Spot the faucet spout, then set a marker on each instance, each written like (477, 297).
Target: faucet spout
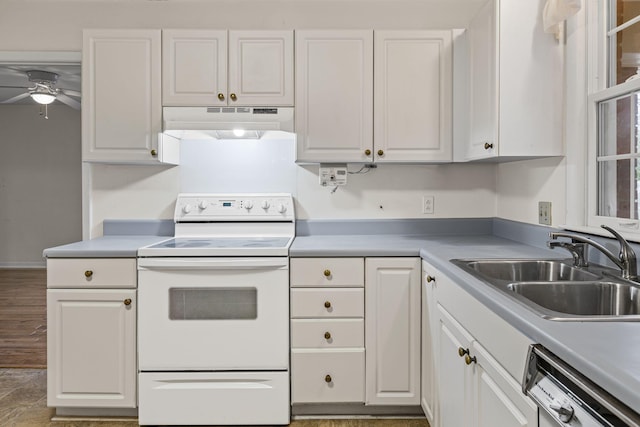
(626, 259)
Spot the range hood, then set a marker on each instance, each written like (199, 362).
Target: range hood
(226, 122)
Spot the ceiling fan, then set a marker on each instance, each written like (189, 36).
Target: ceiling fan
(44, 90)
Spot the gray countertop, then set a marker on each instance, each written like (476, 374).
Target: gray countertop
(116, 246)
(606, 352)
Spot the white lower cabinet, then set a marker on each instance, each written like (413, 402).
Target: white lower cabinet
(91, 348)
(473, 388)
(91, 333)
(392, 295)
(428, 333)
(327, 330)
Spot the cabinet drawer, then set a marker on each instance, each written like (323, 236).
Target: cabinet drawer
(327, 376)
(347, 302)
(91, 273)
(327, 333)
(315, 272)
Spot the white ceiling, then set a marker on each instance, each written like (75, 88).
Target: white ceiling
(15, 75)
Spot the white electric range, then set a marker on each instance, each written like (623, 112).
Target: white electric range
(213, 313)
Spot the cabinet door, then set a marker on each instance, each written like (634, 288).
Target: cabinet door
(194, 67)
(455, 378)
(498, 398)
(429, 349)
(392, 331)
(412, 96)
(91, 348)
(334, 95)
(483, 115)
(260, 68)
(121, 96)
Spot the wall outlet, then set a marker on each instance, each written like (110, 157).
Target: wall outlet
(427, 204)
(544, 213)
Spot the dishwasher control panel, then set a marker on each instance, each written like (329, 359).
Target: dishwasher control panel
(564, 408)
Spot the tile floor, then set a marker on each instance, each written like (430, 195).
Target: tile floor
(23, 403)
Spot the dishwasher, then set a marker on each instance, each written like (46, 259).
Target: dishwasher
(568, 398)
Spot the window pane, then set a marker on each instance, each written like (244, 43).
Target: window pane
(618, 184)
(624, 45)
(618, 125)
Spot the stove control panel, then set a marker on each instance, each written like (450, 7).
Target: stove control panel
(200, 207)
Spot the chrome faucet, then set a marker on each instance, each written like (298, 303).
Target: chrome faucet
(626, 259)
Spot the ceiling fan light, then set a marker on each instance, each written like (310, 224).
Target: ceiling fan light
(43, 98)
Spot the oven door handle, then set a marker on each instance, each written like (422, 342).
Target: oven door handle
(261, 263)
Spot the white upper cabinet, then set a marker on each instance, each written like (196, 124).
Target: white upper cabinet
(515, 92)
(334, 95)
(363, 101)
(121, 98)
(219, 67)
(412, 96)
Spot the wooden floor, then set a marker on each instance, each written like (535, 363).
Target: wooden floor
(23, 318)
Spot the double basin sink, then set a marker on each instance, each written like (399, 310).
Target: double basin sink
(556, 290)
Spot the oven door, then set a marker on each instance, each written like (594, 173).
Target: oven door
(204, 314)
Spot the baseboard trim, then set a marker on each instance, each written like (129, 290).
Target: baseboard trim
(7, 265)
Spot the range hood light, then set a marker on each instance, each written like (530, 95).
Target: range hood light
(238, 134)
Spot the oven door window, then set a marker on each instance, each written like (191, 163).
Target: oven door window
(213, 303)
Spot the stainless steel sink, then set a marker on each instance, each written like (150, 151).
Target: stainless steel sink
(582, 298)
(518, 270)
(556, 290)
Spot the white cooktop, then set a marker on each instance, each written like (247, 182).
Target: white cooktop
(256, 224)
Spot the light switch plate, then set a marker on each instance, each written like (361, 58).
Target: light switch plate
(427, 204)
(544, 213)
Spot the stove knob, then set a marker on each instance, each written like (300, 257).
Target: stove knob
(282, 208)
(187, 208)
(563, 409)
(248, 204)
(203, 204)
(265, 204)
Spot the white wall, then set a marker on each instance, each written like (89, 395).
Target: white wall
(40, 182)
(521, 185)
(389, 191)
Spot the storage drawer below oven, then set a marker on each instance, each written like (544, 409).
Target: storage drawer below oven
(330, 375)
(205, 398)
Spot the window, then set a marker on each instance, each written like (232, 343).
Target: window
(614, 157)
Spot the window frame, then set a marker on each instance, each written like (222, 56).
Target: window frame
(600, 71)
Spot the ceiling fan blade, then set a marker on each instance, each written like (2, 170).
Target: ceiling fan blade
(69, 101)
(15, 98)
(71, 92)
(15, 87)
